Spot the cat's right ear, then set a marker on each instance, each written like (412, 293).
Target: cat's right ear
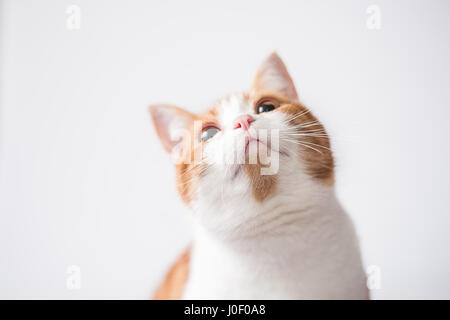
(172, 124)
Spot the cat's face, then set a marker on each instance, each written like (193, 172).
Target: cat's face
(251, 151)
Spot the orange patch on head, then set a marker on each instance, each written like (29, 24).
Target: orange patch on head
(191, 169)
(313, 142)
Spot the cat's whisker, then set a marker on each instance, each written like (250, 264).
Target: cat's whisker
(203, 170)
(304, 145)
(312, 123)
(301, 127)
(310, 131)
(187, 171)
(324, 134)
(315, 144)
(309, 125)
(293, 131)
(305, 125)
(297, 115)
(310, 135)
(196, 165)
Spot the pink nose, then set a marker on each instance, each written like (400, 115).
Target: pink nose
(243, 121)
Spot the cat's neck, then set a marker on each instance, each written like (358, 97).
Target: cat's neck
(274, 223)
(288, 213)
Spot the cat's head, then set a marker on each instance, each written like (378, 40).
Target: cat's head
(251, 152)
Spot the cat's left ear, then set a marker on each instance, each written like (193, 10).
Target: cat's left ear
(172, 125)
(272, 76)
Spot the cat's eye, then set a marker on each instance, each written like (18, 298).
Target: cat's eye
(209, 132)
(266, 106)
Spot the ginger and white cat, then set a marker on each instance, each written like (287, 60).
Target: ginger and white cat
(274, 234)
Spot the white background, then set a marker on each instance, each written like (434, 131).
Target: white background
(84, 180)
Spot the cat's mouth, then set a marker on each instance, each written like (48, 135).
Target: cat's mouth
(253, 140)
(267, 144)
(260, 146)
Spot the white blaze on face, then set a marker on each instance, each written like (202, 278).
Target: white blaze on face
(228, 146)
(232, 107)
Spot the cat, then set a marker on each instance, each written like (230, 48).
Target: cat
(259, 234)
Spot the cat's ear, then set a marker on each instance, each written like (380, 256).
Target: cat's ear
(172, 124)
(273, 76)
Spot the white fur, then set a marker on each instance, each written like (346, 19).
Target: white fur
(296, 244)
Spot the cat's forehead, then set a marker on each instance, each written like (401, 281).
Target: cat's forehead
(228, 108)
(235, 102)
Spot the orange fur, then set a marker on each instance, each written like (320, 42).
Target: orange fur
(262, 185)
(188, 170)
(315, 150)
(173, 285)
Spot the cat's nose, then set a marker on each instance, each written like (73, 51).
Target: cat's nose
(243, 121)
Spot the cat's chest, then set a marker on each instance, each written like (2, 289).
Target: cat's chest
(223, 276)
(289, 268)
(218, 273)
(224, 283)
